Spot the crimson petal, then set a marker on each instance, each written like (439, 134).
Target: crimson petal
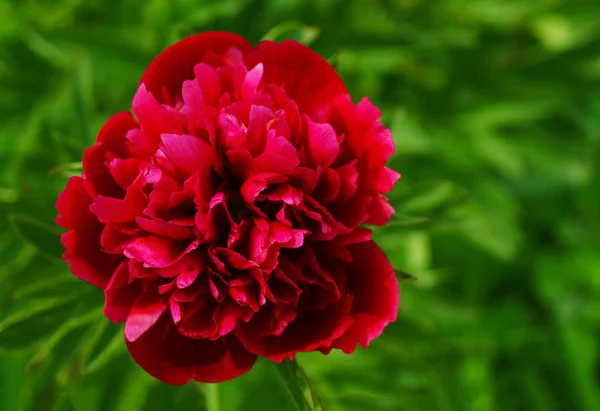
(82, 241)
(120, 295)
(111, 138)
(144, 313)
(174, 359)
(373, 282)
(308, 332)
(307, 78)
(176, 64)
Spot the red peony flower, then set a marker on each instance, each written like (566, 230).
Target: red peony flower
(223, 221)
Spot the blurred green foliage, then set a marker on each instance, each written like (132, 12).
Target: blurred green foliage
(495, 109)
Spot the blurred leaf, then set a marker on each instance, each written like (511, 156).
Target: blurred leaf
(402, 276)
(403, 220)
(75, 167)
(292, 30)
(46, 50)
(44, 238)
(71, 324)
(103, 343)
(430, 196)
(34, 322)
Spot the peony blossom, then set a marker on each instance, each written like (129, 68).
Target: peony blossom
(224, 218)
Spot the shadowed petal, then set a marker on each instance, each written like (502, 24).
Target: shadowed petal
(174, 359)
(120, 295)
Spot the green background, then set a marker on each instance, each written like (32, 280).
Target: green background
(495, 109)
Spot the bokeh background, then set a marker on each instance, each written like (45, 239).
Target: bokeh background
(495, 109)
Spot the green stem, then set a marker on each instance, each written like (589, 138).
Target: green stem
(299, 386)
(213, 402)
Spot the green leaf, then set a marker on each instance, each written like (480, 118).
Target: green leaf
(76, 167)
(105, 342)
(71, 324)
(292, 30)
(405, 220)
(402, 276)
(431, 196)
(34, 322)
(297, 383)
(44, 238)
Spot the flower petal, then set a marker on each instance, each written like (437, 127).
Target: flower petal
(323, 145)
(82, 242)
(190, 153)
(309, 331)
(166, 73)
(372, 281)
(307, 78)
(146, 311)
(120, 295)
(174, 359)
(111, 138)
(158, 252)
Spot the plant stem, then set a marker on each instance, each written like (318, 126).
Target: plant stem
(213, 402)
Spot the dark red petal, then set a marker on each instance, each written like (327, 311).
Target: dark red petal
(372, 281)
(120, 295)
(176, 64)
(82, 242)
(111, 138)
(307, 78)
(328, 188)
(174, 359)
(308, 332)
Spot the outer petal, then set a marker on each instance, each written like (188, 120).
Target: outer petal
(307, 78)
(111, 138)
(373, 282)
(174, 359)
(82, 242)
(176, 64)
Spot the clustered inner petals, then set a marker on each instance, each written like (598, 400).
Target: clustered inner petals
(228, 217)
